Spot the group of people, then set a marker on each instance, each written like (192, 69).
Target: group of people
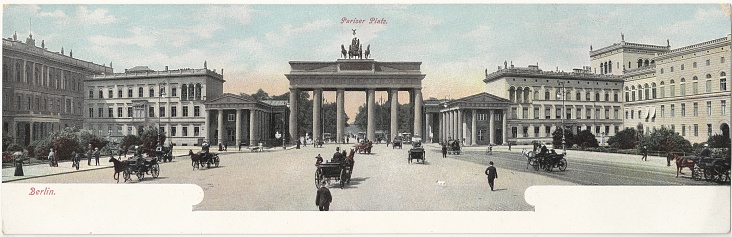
(323, 197)
(92, 152)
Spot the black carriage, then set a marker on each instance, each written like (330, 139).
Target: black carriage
(338, 171)
(416, 153)
(549, 161)
(140, 166)
(164, 153)
(711, 169)
(210, 159)
(453, 147)
(397, 142)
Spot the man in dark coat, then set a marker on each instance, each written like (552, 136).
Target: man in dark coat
(644, 152)
(337, 156)
(491, 173)
(444, 151)
(706, 152)
(89, 154)
(323, 198)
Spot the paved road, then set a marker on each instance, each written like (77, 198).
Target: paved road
(283, 180)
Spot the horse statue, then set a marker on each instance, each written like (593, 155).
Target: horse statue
(343, 51)
(119, 166)
(368, 51)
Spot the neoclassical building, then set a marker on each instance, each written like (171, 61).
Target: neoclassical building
(541, 101)
(233, 119)
(684, 89)
(42, 90)
(118, 104)
(477, 119)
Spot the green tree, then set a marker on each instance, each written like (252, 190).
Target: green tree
(261, 95)
(718, 141)
(585, 139)
(129, 141)
(666, 140)
(557, 138)
(150, 140)
(626, 139)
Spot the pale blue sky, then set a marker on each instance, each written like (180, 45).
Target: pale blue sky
(454, 42)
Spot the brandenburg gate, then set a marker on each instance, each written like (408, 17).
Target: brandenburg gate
(355, 73)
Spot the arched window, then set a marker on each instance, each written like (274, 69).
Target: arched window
(139, 92)
(547, 95)
(722, 74)
(645, 63)
(152, 92)
(632, 91)
(518, 95)
(695, 85)
(597, 96)
(512, 94)
(653, 90)
(610, 67)
(536, 95)
(18, 72)
(191, 91)
(198, 91)
(627, 94)
(640, 62)
(709, 76)
(723, 81)
(646, 91)
(653, 61)
(184, 92)
(672, 88)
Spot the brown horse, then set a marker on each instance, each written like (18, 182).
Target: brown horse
(195, 159)
(683, 162)
(119, 166)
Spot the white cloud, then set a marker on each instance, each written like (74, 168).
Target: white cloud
(138, 37)
(92, 17)
(56, 14)
(283, 35)
(241, 14)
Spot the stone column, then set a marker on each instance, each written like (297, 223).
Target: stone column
(31, 132)
(220, 136)
(418, 113)
(207, 126)
(428, 128)
(394, 99)
(442, 126)
(491, 127)
(460, 134)
(473, 126)
(317, 103)
(505, 125)
(450, 125)
(252, 127)
(293, 114)
(238, 127)
(340, 124)
(371, 123)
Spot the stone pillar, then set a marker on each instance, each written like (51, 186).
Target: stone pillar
(207, 126)
(317, 103)
(442, 126)
(491, 127)
(252, 127)
(32, 138)
(450, 125)
(428, 128)
(220, 126)
(371, 123)
(293, 115)
(505, 125)
(473, 127)
(238, 127)
(394, 98)
(460, 134)
(340, 123)
(418, 113)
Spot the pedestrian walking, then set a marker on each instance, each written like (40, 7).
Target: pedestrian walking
(89, 154)
(644, 152)
(323, 198)
(509, 146)
(96, 155)
(52, 158)
(225, 147)
(491, 173)
(444, 151)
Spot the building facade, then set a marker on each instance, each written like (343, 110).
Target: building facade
(684, 89)
(120, 104)
(42, 90)
(541, 101)
(233, 120)
(474, 120)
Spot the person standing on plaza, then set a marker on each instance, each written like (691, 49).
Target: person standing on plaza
(96, 155)
(323, 198)
(644, 152)
(89, 154)
(509, 146)
(491, 173)
(52, 158)
(706, 152)
(444, 151)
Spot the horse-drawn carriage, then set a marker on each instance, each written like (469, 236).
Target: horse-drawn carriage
(453, 147)
(139, 166)
(199, 159)
(318, 143)
(417, 153)
(164, 153)
(546, 161)
(397, 142)
(712, 169)
(338, 171)
(364, 147)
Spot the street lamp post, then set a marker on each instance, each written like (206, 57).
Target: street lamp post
(162, 93)
(564, 110)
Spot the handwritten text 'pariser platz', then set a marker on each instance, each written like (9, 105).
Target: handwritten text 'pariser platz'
(372, 20)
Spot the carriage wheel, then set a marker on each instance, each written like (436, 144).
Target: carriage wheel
(208, 164)
(563, 164)
(126, 175)
(216, 161)
(548, 167)
(424, 157)
(697, 173)
(343, 178)
(155, 170)
(318, 178)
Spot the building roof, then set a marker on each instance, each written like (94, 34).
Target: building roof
(276, 102)
(140, 69)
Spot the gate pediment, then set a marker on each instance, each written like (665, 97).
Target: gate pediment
(231, 101)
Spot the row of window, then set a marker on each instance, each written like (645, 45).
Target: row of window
(662, 112)
(558, 113)
(650, 92)
(188, 92)
(694, 65)
(132, 112)
(173, 131)
(54, 78)
(695, 127)
(44, 104)
(547, 130)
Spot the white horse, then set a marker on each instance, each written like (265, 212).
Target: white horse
(529, 156)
